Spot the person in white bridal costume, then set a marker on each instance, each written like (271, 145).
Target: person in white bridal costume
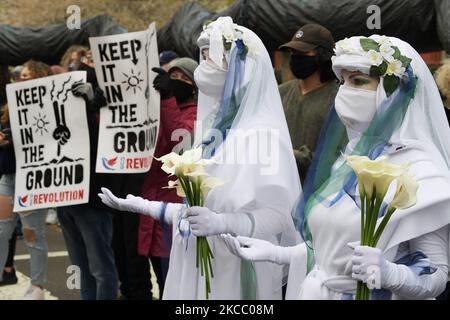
(236, 81)
(406, 123)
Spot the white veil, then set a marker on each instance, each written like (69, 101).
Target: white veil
(424, 132)
(424, 139)
(268, 187)
(425, 119)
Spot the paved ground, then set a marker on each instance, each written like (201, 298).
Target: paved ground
(58, 263)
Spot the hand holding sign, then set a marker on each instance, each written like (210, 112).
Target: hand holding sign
(47, 176)
(83, 90)
(162, 83)
(129, 125)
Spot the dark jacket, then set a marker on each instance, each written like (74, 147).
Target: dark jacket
(173, 116)
(120, 184)
(7, 156)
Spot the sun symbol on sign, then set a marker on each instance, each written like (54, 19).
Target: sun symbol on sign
(133, 81)
(40, 123)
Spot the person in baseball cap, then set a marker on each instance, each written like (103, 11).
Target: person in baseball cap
(311, 47)
(307, 99)
(309, 37)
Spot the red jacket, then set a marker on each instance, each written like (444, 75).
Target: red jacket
(155, 239)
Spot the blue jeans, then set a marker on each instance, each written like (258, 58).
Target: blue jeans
(37, 248)
(33, 221)
(88, 235)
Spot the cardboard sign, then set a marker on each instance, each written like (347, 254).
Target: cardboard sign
(51, 142)
(129, 124)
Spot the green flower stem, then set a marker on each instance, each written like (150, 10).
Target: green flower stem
(205, 261)
(366, 292)
(204, 251)
(373, 221)
(197, 258)
(200, 255)
(363, 212)
(198, 192)
(194, 191)
(382, 226)
(187, 190)
(362, 291)
(369, 209)
(359, 290)
(366, 215)
(210, 256)
(369, 216)
(379, 202)
(202, 200)
(368, 220)
(194, 197)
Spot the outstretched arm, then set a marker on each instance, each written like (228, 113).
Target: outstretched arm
(205, 222)
(156, 209)
(260, 250)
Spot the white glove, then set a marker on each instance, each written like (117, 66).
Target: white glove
(132, 204)
(407, 281)
(257, 250)
(205, 222)
(369, 266)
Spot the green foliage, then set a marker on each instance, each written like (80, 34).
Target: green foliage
(369, 44)
(391, 83)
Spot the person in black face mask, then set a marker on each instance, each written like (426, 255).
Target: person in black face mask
(303, 65)
(178, 81)
(307, 99)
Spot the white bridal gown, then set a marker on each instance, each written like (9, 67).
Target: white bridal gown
(265, 196)
(423, 227)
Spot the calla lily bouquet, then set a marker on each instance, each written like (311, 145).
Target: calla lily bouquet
(374, 179)
(194, 184)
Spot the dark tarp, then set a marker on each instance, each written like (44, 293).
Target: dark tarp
(443, 22)
(422, 23)
(17, 45)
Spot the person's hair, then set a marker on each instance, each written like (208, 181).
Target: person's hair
(324, 59)
(38, 69)
(442, 77)
(4, 119)
(65, 60)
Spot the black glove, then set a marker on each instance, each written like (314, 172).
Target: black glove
(99, 98)
(162, 83)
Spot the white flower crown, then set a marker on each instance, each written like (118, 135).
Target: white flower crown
(230, 34)
(386, 59)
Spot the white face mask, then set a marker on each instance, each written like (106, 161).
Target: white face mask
(210, 79)
(356, 107)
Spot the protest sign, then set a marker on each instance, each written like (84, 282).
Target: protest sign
(129, 123)
(51, 142)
